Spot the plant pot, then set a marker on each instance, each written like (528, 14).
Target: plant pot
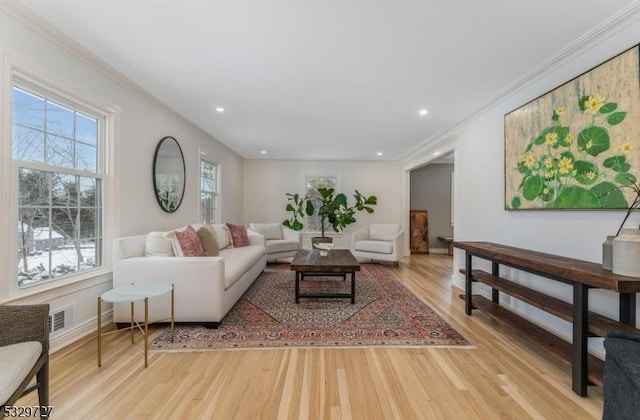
(626, 253)
(607, 253)
(321, 240)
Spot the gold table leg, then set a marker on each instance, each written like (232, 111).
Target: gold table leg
(99, 331)
(146, 330)
(173, 333)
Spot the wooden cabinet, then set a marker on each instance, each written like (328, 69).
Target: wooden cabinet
(419, 227)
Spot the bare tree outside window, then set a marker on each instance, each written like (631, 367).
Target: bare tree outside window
(313, 183)
(208, 192)
(59, 188)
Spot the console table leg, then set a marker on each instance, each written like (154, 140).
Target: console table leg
(628, 308)
(495, 293)
(579, 352)
(468, 306)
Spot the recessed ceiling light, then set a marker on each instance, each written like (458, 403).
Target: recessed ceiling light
(219, 109)
(264, 152)
(379, 153)
(436, 153)
(423, 112)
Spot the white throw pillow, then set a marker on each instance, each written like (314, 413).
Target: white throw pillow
(159, 244)
(383, 232)
(196, 226)
(269, 230)
(222, 234)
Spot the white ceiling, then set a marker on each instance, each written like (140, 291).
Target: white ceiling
(325, 79)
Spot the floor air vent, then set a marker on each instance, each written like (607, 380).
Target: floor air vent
(61, 319)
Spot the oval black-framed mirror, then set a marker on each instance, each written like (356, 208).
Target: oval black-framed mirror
(169, 174)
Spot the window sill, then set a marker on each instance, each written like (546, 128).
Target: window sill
(53, 288)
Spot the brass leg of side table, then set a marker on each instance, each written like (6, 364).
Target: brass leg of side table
(132, 322)
(99, 331)
(173, 333)
(146, 330)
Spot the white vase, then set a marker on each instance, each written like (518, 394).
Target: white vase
(626, 253)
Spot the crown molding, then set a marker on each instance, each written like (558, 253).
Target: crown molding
(598, 34)
(443, 145)
(27, 17)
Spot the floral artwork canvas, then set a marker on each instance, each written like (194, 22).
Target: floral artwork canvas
(578, 146)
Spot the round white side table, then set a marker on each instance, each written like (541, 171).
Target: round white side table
(132, 294)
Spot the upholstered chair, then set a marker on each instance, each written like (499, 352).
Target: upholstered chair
(24, 353)
(279, 241)
(381, 242)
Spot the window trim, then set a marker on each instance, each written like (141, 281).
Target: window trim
(110, 115)
(203, 156)
(305, 177)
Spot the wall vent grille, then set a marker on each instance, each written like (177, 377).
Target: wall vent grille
(61, 320)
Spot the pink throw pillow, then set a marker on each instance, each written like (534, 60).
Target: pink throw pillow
(238, 235)
(190, 242)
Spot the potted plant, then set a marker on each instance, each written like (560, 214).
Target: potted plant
(333, 209)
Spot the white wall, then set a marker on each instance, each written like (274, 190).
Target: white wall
(26, 46)
(479, 190)
(267, 182)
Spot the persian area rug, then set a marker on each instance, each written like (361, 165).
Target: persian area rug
(386, 313)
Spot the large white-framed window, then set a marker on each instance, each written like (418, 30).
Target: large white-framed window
(312, 183)
(209, 197)
(57, 155)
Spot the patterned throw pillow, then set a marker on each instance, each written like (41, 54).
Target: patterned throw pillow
(238, 235)
(189, 242)
(209, 241)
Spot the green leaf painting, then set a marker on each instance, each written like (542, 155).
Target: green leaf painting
(577, 147)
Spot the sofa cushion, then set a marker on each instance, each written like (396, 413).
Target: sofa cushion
(16, 361)
(379, 247)
(281, 245)
(383, 232)
(189, 243)
(209, 241)
(159, 244)
(238, 261)
(269, 230)
(222, 234)
(238, 235)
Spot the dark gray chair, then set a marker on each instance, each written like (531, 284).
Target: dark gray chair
(621, 382)
(24, 353)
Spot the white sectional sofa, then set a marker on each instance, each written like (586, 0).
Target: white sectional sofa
(280, 242)
(205, 287)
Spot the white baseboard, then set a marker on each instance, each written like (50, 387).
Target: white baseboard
(65, 338)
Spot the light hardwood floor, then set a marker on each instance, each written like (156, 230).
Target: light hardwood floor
(501, 378)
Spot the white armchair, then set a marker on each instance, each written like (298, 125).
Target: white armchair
(279, 241)
(382, 242)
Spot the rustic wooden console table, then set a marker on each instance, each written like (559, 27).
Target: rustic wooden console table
(581, 275)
